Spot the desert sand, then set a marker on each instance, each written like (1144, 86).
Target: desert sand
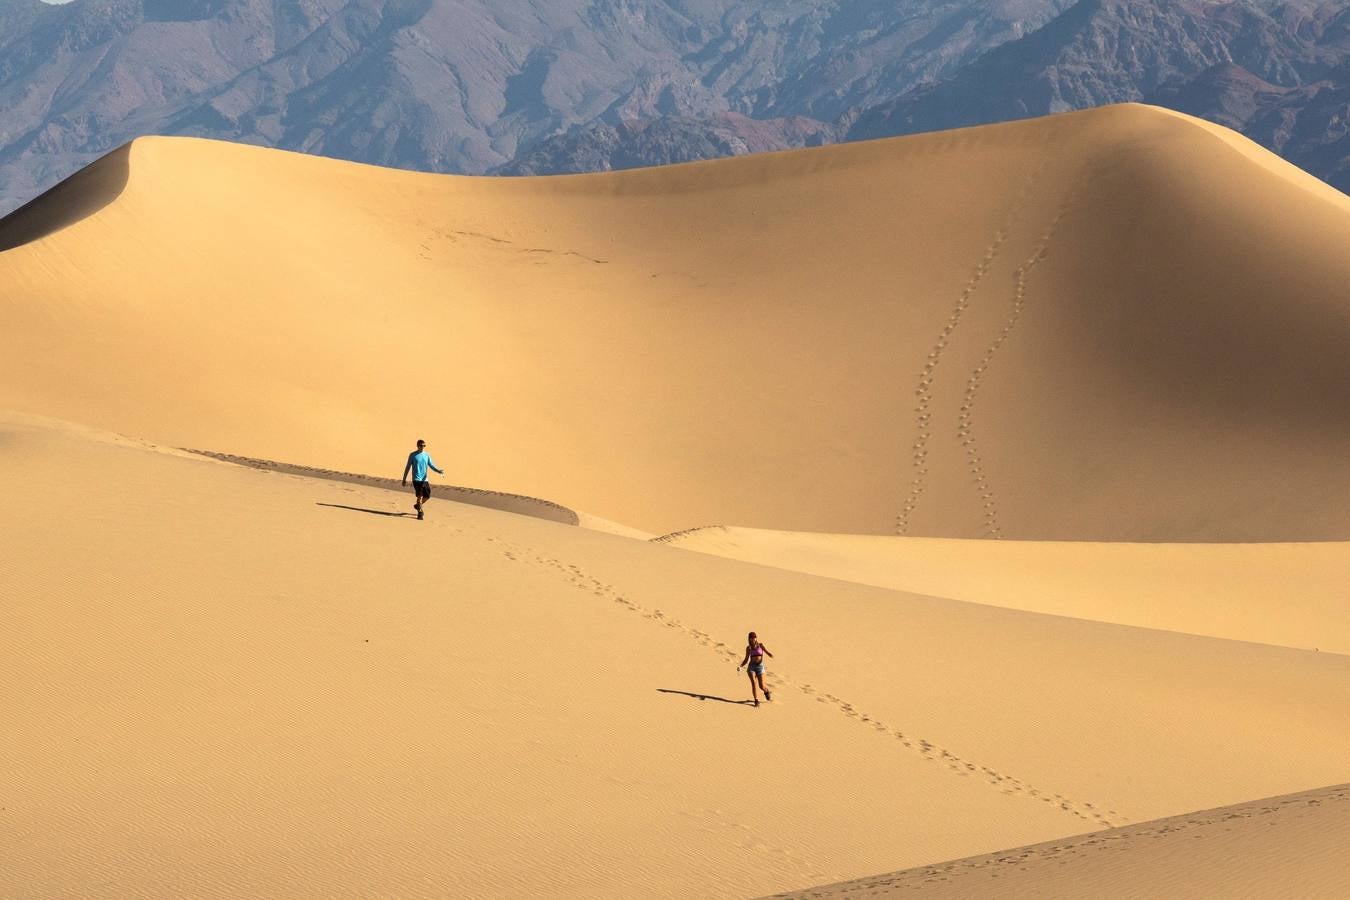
(1221, 590)
(1275, 847)
(1112, 325)
(222, 679)
(1020, 447)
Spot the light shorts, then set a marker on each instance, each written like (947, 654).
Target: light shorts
(756, 668)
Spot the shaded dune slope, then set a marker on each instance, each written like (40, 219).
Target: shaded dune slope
(76, 198)
(1119, 324)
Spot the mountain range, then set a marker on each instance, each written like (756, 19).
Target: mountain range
(1277, 72)
(521, 87)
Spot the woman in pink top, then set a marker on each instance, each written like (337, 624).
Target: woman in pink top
(754, 657)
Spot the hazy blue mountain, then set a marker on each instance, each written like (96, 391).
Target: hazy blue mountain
(537, 86)
(80, 79)
(1275, 71)
(451, 85)
(1309, 124)
(631, 143)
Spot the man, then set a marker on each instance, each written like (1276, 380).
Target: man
(418, 463)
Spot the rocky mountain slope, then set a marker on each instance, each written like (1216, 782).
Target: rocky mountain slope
(451, 85)
(522, 87)
(1274, 71)
(631, 143)
(1309, 125)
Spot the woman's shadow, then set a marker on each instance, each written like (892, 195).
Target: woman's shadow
(706, 697)
(373, 512)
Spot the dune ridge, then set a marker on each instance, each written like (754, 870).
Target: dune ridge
(77, 198)
(1243, 850)
(527, 506)
(513, 503)
(1285, 594)
(1059, 329)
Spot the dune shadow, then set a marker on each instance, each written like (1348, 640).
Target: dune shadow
(77, 197)
(512, 503)
(373, 512)
(706, 697)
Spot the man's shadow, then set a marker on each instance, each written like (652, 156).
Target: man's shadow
(706, 697)
(373, 512)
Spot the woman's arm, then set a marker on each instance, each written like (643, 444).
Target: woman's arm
(744, 659)
(766, 650)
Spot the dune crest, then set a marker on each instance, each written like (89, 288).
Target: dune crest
(1289, 595)
(1276, 847)
(73, 200)
(1086, 327)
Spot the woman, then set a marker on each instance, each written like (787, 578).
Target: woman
(754, 656)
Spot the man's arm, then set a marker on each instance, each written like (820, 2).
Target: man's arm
(407, 469)
(434, 468)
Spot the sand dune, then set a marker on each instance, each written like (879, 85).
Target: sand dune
(78, 197)
(1287, 594)
(1083, 327)
(1117, 336)
(512, 503)
(1276, 847)
(219, 679)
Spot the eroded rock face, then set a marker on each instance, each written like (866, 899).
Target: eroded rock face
(581, 85)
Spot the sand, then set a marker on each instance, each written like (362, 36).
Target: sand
(1020, 446)
(1087, 327)
(222, 679)
(1276, 847)
(1292, 595)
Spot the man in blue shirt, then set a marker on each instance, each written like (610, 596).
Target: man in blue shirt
(418, 462)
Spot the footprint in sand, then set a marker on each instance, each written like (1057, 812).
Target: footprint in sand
(927, 750)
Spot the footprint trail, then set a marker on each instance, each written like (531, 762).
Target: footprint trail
(923, 390)
(1007, 784)
(965, 426)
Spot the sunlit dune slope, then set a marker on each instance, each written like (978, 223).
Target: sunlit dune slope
(1116, 324)
(1274, 848)
(222, 680)
(1288, 594)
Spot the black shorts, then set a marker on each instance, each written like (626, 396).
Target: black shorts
(422, 489)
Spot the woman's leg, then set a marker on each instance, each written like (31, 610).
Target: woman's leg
(767, 695)
(754, 695)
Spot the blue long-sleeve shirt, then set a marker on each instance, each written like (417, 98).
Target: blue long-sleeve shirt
(418, 463)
